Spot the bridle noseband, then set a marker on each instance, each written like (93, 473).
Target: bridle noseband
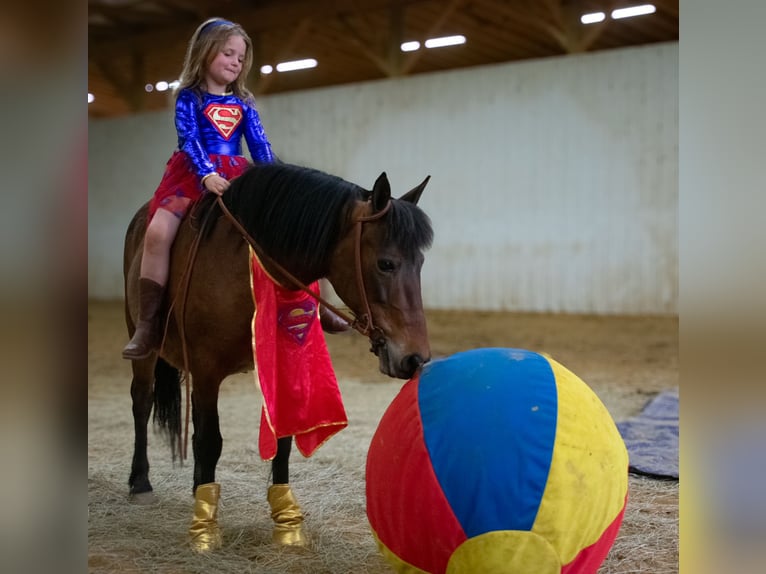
(377, 338)
(364, 323)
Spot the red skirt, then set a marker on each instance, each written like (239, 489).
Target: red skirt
(180, 185)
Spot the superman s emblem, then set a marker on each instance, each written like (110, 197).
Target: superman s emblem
(225, 117)
(296, 319)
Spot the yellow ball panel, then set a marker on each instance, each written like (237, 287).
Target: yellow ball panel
(588, 478)
(505, 552)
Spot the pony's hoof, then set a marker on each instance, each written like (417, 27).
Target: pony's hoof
(143, 498)
(293, 537)
(207, 541)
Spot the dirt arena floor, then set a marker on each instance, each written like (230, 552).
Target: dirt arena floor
(626, 360)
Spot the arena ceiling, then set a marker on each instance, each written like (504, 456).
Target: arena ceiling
(135, 43)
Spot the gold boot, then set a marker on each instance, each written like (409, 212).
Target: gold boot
(287, 516)
(204, 531)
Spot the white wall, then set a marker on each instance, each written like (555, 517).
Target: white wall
(554, 182)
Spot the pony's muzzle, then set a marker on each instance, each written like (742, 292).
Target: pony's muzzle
(411, 363)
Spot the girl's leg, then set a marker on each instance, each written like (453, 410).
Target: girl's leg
(155, 262)
(159, 237)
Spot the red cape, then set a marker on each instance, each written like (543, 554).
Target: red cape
(301, 397)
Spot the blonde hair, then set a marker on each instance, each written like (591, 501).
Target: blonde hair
(207, 41)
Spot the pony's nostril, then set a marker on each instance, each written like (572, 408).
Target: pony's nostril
(411, 363)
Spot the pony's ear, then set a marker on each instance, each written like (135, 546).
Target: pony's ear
(414, 194)
(381, 193)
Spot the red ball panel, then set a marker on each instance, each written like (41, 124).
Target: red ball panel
(589, 560)
(401, 483)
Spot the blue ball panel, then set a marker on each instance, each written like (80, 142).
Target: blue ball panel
(489, 424)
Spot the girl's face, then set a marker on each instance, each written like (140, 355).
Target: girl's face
(227, 65)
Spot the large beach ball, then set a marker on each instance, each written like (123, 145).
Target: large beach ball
(496, 461)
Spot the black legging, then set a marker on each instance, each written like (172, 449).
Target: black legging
(280, 467)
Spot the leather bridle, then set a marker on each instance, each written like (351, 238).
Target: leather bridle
(363, 323)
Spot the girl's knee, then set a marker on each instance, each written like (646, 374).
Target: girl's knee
(160, 232)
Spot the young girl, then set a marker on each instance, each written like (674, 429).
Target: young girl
(213, 111)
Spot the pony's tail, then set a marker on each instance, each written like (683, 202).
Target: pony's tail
(167, 404)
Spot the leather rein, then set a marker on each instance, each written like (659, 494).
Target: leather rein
(364, 323)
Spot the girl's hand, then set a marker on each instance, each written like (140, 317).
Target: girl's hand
(216, 184)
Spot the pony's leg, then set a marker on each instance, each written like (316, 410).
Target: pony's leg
(141, 391)
(285, 511)
(280, 466)
(206, 440)
(205, 534)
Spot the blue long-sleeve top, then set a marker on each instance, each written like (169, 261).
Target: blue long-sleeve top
(210, 124)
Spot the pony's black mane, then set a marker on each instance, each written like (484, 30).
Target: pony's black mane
(296, 214)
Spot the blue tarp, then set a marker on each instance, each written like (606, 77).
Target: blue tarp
(652, 437)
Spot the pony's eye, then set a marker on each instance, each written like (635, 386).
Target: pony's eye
(386, 265)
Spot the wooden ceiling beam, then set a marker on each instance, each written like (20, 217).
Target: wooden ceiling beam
(529, 17)
(133, 17)
(115, 15)
(285, 52)
(664, 25)
(264, 18)
(130, 89)
(669, 7)
(396, 26)
(413, 57)
(563, 24)
(391, 64)
(356, 38)
(201, 11)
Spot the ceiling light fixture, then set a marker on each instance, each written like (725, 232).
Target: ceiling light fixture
(267, 69)
(296, 65)
(445, 41)
(593, 17)
(91, 98)
(410, 46)
(633, 11)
